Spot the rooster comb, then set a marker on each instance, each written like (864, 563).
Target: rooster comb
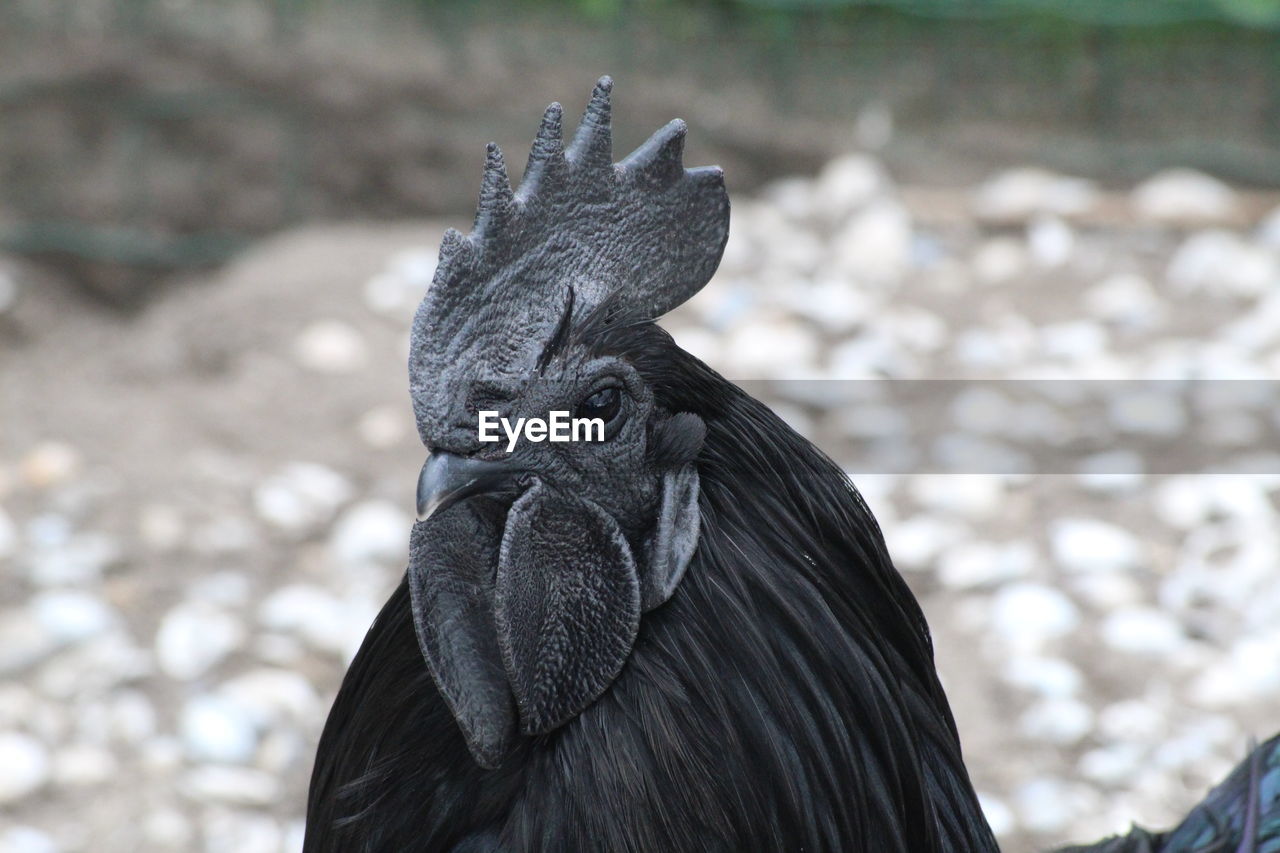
(643, 234)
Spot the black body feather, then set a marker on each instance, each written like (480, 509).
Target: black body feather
(690, 638)
(785, 698)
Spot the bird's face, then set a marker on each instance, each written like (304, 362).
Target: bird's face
(534, 561)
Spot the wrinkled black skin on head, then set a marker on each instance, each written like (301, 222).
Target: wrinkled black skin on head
(784, 698)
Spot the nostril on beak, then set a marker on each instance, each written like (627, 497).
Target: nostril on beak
(447, 478)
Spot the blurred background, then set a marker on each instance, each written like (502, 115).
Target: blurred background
(953, 220)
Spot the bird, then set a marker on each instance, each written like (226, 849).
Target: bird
(686, 633)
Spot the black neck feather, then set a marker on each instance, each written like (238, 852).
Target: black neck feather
(784, 699)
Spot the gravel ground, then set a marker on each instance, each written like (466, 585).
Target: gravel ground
(202, 506)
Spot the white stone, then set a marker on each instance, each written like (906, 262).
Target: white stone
(168, 829)
(1181, 753)
(848, 184)
(976, 564)
(1187, 501)
(279, 649)
(1250, 673)
(229, 784)
(917, 541)
(1221, 264)
(1112, 472)
(8, 535)
(971, 496)
(228, 589)
(50, 463)
(961, 453)
(874, 247)
(874, 355)
(417, 267)
(48, 531)
(1052, 678)
(311, 612)
(194, 637)
(330, 346)
(82, 559)
(130, 717)
(222, 535)
(24, 640)
(995, 348)
(241, 832)
(700, 343)
(1089, 545)
(294, 833)
(70, 616)
(835, 304)
(111, 659)
(26, 839)
(1107, 590)
(769, 350)
(18, 704)
(161, 527)
(1061, 721)
(1073, 341)
(1019, 194)
(1114, 764)
(215, 728)
(1256, 330)
(785, 250)
(1050, 242)
(301, 496)
(161, 756)
(1045, 805)
(999, 260)
(1127, 300)
(1154, 409)
(1183, 196)
(791, 197)
(24, 766)
(873, 421)
(384, 427)
(1268, 233)
(918, 330)
(398, 289)
(1182, 502)
(273, 696)
(84, 765)
(999, 816)
(1131, 720)
(1028, 614)
(374, 531)
(982, 409)
(283, 749)
(384, 293)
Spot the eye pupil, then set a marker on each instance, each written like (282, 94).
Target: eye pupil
(603, 404)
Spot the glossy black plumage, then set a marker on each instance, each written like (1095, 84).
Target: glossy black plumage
(785, 697)
(689, 639)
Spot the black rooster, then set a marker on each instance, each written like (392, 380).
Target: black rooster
(685, 636)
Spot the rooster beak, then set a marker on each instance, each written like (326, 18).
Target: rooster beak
(447, 478)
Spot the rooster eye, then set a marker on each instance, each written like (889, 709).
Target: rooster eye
(604, 404)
